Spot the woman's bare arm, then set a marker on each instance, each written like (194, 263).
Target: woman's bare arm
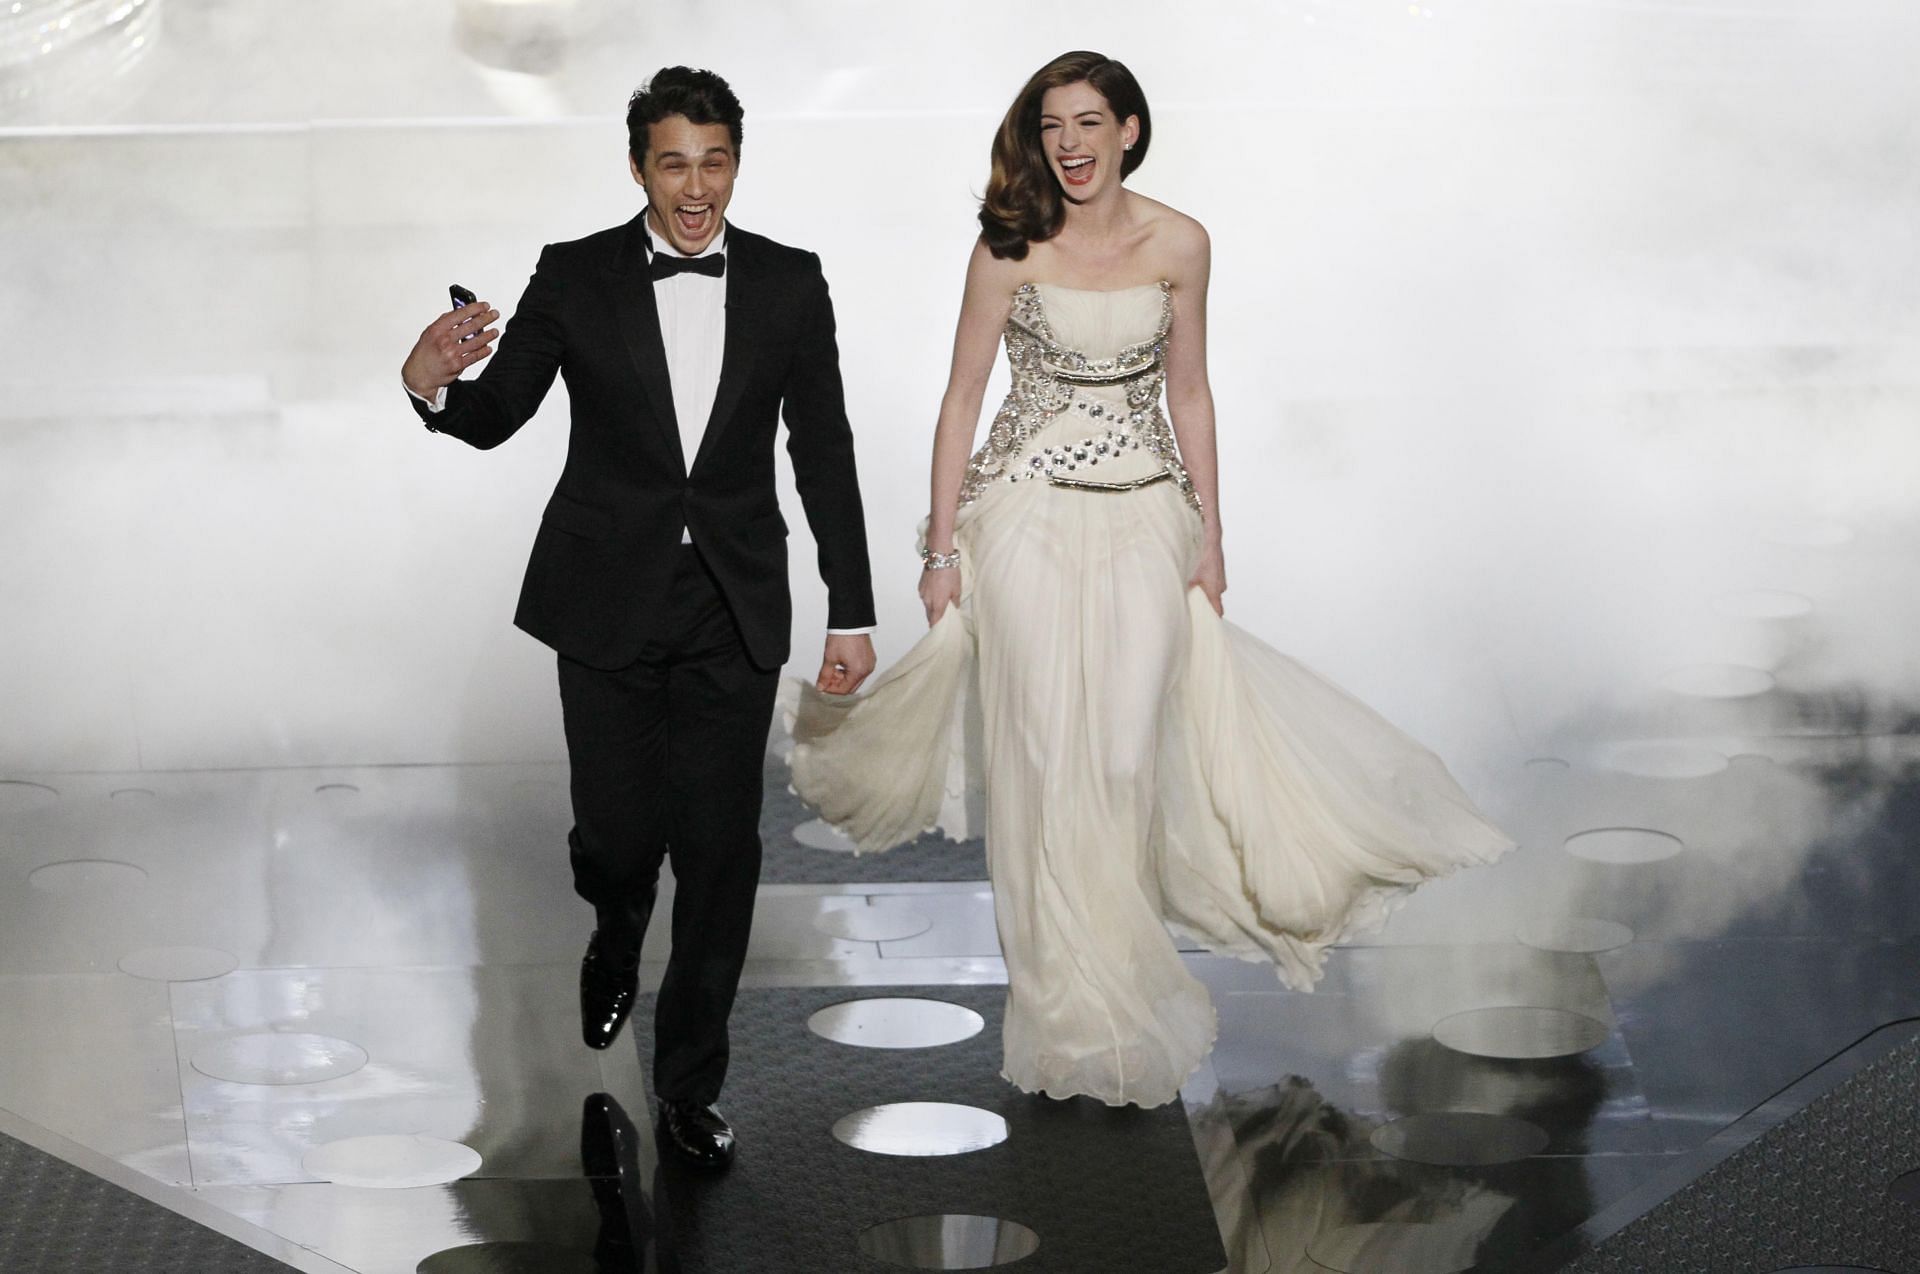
(983, 315)
(1190, 396)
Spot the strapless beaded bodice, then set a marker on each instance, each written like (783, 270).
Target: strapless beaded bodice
(1088, 375)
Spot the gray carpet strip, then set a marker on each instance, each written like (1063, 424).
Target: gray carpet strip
(787, 862)
(1109, 1191)
(1810, 1192)
(56, 1218)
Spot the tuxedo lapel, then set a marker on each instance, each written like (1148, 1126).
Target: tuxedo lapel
(639, 319)
(743, 337)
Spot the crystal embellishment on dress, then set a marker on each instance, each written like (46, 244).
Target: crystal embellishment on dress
(1046, 375)
(1088, 452)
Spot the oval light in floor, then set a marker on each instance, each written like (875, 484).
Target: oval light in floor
(1718, 681)
(1520, 1032)
(949, 1241)
(85, 876)
(817, 833)
(1460, 1139)
(921, 1129)
(1763, 603)
(276, 1057)
(21, 794)
(1585, 935)
(879, 920)
(390, 1162)
(1390, 1247)
(1659, 760)
(1905, 1188)
(896, 1021)
(509, 1258)
(1623, 845)
(178, 964)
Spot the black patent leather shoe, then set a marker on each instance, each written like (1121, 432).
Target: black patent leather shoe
(609, 981)
(696, 1133)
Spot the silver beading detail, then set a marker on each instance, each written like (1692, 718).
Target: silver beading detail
(1046, 375)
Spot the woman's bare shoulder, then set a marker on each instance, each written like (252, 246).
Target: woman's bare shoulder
(1185, 239)
(1177, 241)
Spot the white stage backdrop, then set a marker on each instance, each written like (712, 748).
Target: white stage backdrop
(1536, 328)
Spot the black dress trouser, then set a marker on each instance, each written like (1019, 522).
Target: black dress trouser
(667, 756)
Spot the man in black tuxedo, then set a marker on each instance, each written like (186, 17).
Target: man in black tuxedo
(659, 572)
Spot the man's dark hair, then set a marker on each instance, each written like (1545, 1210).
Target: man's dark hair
(701, 96)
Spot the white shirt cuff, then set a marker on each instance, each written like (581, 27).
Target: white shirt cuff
(435, 404)
(851, 632)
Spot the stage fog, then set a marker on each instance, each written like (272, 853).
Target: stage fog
(1563, 351)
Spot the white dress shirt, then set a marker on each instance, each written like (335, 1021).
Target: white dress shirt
(693, 331)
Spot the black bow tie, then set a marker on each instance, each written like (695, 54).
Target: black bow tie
(664, 266)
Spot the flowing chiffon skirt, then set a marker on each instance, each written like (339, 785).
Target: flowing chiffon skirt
(1140, 762)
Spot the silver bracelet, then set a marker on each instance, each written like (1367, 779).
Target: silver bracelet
(940, 561)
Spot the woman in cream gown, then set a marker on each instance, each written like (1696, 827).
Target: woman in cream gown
(1142, 761)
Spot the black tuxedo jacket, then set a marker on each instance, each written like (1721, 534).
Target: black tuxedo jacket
(603, 558)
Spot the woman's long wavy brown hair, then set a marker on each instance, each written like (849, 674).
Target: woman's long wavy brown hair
(1024, 203)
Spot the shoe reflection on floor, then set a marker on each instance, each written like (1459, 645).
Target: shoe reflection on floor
(610, 1155)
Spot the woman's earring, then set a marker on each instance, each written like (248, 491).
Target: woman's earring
(1126, 146)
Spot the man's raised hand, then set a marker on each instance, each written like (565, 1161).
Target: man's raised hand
(448, 346)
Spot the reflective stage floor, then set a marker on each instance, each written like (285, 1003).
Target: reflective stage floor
(337, 1006)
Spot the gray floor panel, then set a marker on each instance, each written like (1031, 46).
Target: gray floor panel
(489, 1057)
